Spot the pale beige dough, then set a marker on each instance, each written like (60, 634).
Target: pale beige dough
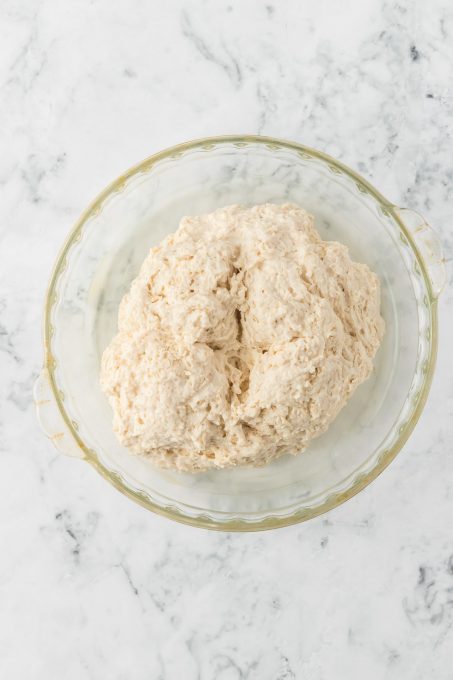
(240, 340)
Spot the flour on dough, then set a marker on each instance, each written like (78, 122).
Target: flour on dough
(240, 340)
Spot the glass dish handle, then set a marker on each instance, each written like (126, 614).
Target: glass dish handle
(429, 247)
(51, 420)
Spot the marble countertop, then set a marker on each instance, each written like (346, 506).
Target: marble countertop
(93, 586)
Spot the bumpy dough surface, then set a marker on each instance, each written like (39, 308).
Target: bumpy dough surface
(240, 340)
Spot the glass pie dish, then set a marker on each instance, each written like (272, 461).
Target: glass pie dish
(103, 254)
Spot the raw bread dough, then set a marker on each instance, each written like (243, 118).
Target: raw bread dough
(240, 340)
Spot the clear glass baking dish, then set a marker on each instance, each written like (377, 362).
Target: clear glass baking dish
(102, 255)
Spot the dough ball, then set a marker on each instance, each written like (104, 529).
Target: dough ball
(241, 339)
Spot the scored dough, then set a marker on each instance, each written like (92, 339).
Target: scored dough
(240, 340)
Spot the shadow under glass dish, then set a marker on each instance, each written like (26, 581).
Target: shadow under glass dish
(105, 253)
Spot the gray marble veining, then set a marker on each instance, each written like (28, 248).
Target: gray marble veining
(93, 586)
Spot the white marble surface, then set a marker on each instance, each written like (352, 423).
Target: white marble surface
(92, 586)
